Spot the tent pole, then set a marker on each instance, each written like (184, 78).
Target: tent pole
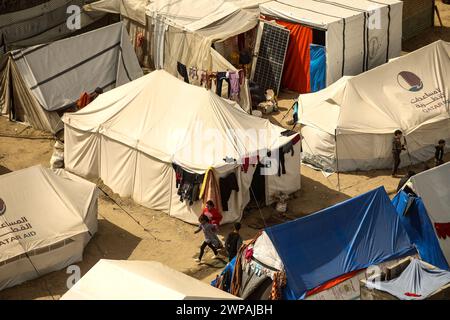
(337, 159)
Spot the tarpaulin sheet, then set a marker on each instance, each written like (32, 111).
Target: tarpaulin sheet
(297, 62)
(415, 220)
(417, 282)
(318, 67)
(349, 236)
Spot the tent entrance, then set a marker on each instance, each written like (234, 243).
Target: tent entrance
(258, 189)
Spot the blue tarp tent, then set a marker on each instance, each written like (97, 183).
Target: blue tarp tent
(349, 236)
(417, 223)
(318, 67)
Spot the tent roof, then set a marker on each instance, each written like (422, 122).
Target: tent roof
(140, 280)
(381, 100)
(433, 186)
(55, 209)
(320, 14)
(349, 236)
(57, 73)
(215, 19)
(194, 127)
(131, 9)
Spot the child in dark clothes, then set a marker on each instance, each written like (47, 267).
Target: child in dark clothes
(211, 240)
(234, 241)
(439, 154)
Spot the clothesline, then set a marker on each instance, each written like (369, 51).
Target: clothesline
(205, 78)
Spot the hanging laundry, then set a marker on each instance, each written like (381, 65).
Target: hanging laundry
(84, 100)
(222, 76)
(227, 185)
(188, 184)
(235, 87)
(442, 230)
(181, 68)
(288, 147)
(210, 190)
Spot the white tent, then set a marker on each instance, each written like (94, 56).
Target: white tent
(359, 34)
(433, 186)
(27, 23)
(49, 219)
(131, 136)
(38, 81)
(361, 113)
(184, 31)
(140, 280)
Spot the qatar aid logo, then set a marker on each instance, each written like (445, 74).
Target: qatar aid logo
(2, 207)
(409, 81)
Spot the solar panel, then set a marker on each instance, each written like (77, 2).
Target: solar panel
(271, 54)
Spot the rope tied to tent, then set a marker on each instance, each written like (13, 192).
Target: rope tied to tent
(131, 216)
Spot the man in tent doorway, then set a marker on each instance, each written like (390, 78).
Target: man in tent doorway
(439, 154)
(397, 148)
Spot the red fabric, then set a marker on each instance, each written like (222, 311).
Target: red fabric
(442, 230)
(332, 283)
(296, 73)
(245, 164)
(84, 100)
(296, 139)
(409, 294)
(213, 215)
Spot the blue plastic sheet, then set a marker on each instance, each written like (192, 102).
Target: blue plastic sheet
(349, 236)
(417, 282)
(417, 224)
(228, 268)
(318, 67)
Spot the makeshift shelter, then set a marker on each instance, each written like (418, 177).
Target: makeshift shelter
(39, 82)
(46, 221)
(432, 189)
(142, 140)
(140, 280)
(355, 35)
(169, 33)
(418, 281)
(350, 125)
(25, 23)
(321, 250)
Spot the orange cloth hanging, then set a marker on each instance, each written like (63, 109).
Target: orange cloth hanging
(296, 73)
(84, 100)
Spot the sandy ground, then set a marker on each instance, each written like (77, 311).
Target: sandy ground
(130, 232)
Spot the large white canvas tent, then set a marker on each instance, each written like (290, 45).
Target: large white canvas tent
(131, 136)
(46, 221)
(433, 186)
(184, 31)
(350, 125)
(140, 280)
(25, 23)
(39, 81)
(359, 34)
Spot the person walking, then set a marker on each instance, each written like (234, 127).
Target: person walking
(211, 240)
(397, 148)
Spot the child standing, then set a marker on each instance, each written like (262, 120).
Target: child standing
(211, 240)
(212, 213)
(439, 154)
(234, 241)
